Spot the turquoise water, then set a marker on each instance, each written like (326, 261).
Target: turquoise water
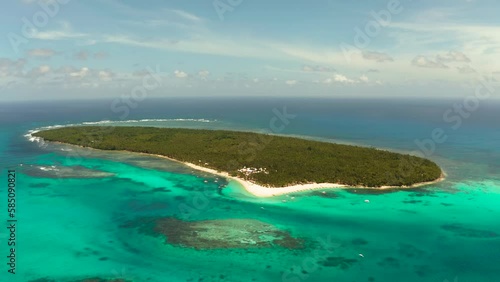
(72, 219)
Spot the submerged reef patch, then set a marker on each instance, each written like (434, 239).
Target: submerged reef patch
(371, 191)
(217, 234)
(410, 251)
(389, 262)
(463, 231)
(53, 171)
(340, 262)
(325, 194)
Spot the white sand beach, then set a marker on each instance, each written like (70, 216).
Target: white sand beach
(266, 192)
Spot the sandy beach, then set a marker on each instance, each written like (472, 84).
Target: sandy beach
(266, 192)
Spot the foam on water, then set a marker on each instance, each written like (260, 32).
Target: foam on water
(148, 120)
(31, 138)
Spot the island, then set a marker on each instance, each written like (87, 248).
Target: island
(266, 165)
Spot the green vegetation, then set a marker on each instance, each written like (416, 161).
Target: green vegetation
(284, 160)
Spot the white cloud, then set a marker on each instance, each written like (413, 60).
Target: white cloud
(44, 69)
(56, 35)
(10, 67)
(106, 75)
(66, 70)
(364, 78)
(291, 82)
(316, 59)
(476, 41)
(71, 76)
(440, 60)
(204, 73)
(209, 43)
(38, 72)
(424, 62)
(343, 79)
(180, 74)
(63, 76)
(317, 68)
(453, 56)
(65, 32)
(186, 15)
(80, 73)
(198, 45)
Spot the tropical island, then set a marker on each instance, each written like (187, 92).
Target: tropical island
(261, 162)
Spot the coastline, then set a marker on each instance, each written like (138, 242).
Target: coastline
(260, 191)
(266, 192)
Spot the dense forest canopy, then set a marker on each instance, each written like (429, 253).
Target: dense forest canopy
(269, 160)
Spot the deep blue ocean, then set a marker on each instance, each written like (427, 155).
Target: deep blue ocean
(71, 211)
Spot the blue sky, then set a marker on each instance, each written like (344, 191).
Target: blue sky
(65, 49)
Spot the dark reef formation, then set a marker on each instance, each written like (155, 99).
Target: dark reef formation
(340, 262)
(64, 172)
(217, 234)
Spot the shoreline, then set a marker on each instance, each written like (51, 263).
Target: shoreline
(266, 192)
(260, 191)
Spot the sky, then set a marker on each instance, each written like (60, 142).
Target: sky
(74, 49)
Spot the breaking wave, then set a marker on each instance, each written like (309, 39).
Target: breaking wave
(31, 138)
(147, 120)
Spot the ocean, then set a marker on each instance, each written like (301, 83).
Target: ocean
(84, 213)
